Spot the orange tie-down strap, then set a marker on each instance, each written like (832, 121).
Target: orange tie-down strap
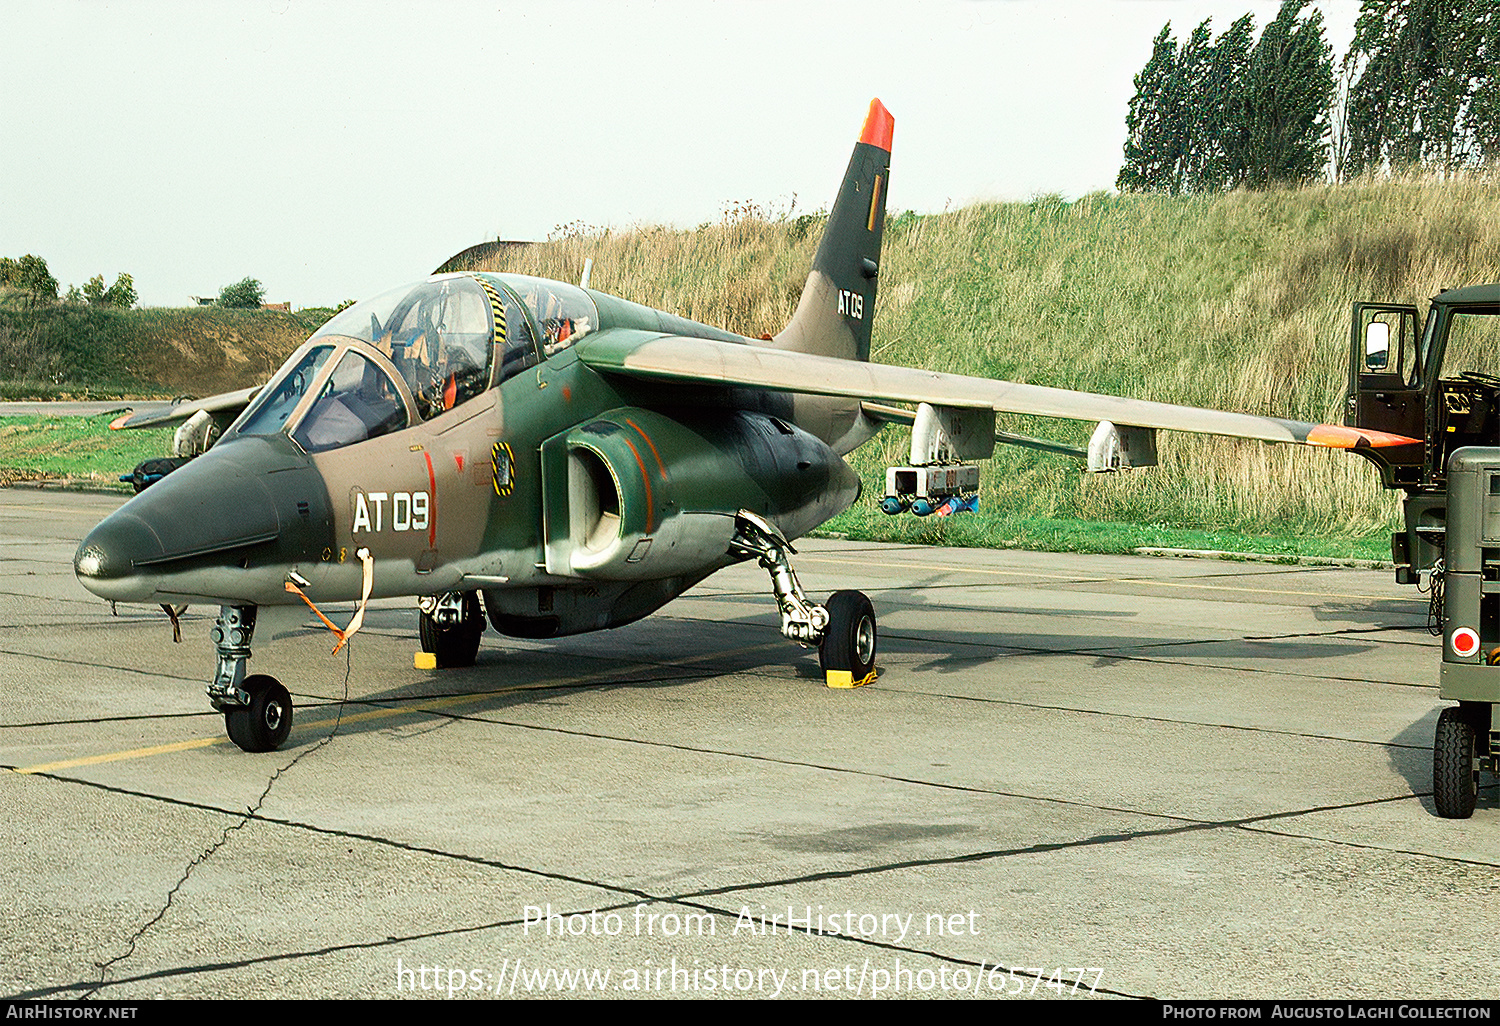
(359, 613)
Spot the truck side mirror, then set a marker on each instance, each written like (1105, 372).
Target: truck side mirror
(1377, 345)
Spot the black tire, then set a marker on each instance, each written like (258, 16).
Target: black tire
(263, 725)
(457, 645)
(1454, 784)
(851, 639)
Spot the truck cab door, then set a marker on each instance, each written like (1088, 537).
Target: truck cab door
(1384, 393)
(1385, 388)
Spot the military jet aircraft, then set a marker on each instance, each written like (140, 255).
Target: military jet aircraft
(559, 460)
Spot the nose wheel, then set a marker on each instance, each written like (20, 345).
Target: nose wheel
(261, 725)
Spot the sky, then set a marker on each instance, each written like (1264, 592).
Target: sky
(332, 150)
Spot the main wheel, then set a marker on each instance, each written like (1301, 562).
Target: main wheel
(263, 725)
(457, 645)
(850, 641)
(1454, 784)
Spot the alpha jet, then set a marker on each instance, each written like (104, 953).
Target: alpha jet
(556, 460)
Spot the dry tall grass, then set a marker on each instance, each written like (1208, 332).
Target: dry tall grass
(1239, 302)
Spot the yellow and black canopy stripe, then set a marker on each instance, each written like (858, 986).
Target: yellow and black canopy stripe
(497, 309)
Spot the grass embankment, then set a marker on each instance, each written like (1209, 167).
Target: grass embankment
(69, 350)
(1238, 302)
(72, 351)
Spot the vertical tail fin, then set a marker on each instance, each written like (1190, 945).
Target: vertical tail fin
(838, 303)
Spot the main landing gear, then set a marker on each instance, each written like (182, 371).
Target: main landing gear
(843, 630)
(257, 709)
(449, 627)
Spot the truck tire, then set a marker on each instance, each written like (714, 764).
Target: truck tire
(1454, 783)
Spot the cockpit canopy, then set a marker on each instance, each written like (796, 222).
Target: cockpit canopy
(413, 353)
(438, 334)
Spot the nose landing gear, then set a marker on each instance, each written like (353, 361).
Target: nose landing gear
(257, 709)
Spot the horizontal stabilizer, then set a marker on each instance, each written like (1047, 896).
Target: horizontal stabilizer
(225, 406)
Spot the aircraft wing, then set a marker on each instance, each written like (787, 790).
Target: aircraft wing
(226, 405)
(896, 415)
(705, 361)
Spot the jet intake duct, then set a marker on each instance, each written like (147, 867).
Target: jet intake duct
(636, 495)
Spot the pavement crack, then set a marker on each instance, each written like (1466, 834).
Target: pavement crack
(244, 819)
(693, 898)
(153, 674)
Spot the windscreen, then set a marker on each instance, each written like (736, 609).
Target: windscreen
(438, 334)
(1473, 342)
(268, 414)
(358, 402)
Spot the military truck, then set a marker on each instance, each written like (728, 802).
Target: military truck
(1442, 385)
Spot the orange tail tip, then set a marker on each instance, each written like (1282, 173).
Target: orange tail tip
(119, 422)
(1334, 436)
(879, 127)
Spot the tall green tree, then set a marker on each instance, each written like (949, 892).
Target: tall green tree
(1155, 123)
(120, 294)
(93, 290)
(1425, 85)
(1480, 121)
(1217, 159)
(1286, 100)
(1198, 141)
(30, 275)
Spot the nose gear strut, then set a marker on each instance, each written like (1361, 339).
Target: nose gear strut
(231, 634)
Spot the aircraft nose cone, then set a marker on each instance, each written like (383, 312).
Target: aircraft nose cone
(111, 550)
(205, 531)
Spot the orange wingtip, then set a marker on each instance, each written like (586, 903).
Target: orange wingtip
(879, 127)
(119, 421)
(1334, 436)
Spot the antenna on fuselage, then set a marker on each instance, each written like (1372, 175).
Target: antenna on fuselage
(588, 267)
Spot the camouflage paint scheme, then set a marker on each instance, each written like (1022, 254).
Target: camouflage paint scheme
(596, 477)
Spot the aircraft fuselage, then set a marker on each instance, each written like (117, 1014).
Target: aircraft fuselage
(572, 499)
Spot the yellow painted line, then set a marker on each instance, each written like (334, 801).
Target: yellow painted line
(1077, 579)
(425, 706)
(134, 753)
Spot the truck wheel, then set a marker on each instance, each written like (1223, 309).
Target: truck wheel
(1454, 778)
